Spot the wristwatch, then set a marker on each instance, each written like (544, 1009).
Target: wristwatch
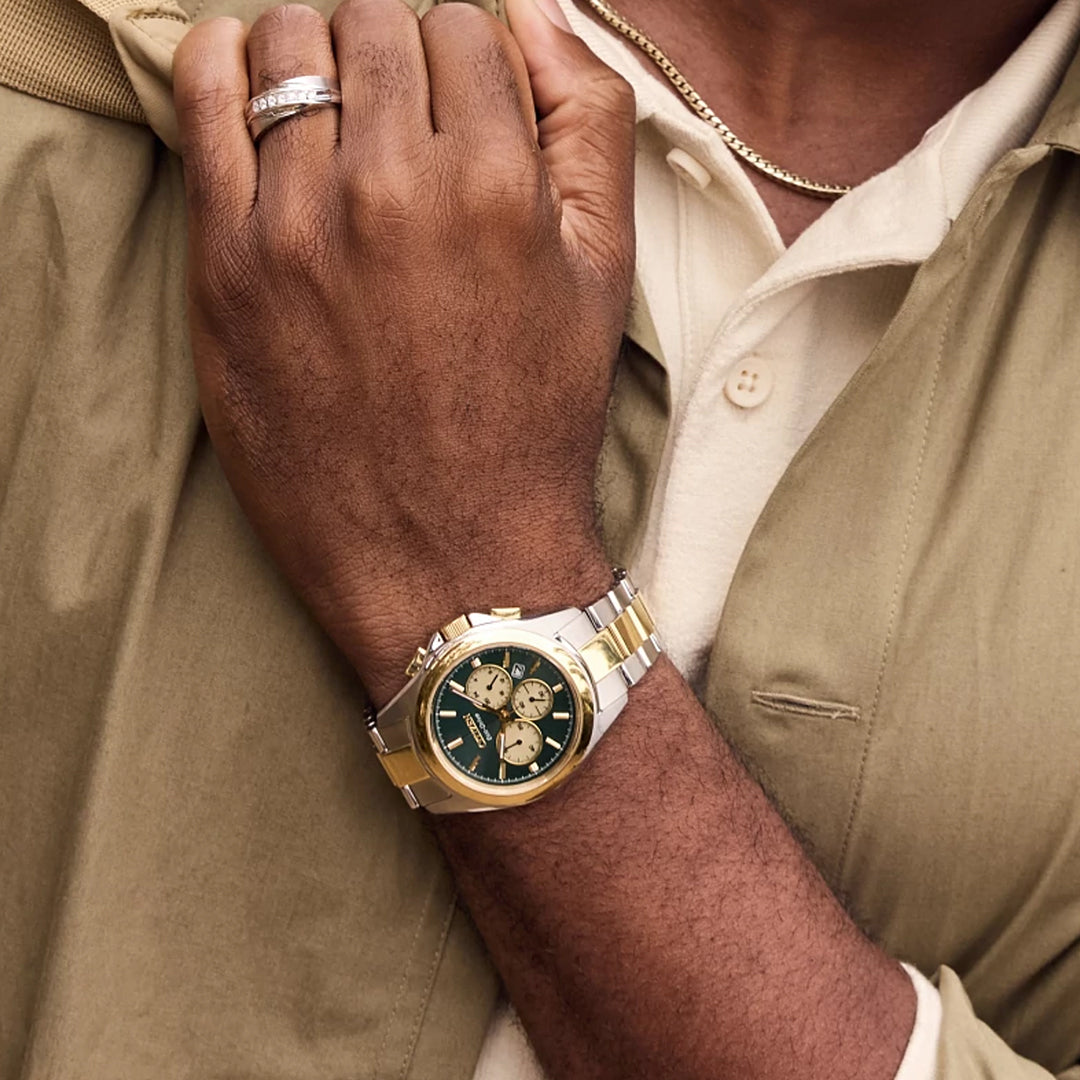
(499, 710)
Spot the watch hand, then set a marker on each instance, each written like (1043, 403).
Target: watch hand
(480, 704)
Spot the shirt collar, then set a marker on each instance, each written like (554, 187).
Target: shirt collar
(902, 214)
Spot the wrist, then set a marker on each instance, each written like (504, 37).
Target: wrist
(403, 612)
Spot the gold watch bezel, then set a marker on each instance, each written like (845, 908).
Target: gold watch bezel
(435, 760)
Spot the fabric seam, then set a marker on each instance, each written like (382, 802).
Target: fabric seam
(894, 603)
(687, 331)
(425, 998)
(894, 600)
(147, 14)
(403, 985)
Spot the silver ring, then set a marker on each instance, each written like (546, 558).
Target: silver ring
(289, 98)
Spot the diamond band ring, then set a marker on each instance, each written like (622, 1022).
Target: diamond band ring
(288, 98)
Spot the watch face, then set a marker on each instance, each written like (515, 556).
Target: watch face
(504, 715)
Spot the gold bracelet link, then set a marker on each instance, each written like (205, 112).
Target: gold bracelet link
(628, 639)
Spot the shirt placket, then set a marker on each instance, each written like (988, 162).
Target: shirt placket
(695, 267)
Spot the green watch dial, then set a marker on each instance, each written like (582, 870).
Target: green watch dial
(504, 715)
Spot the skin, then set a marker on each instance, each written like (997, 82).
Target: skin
(404, 315)
(837, 90)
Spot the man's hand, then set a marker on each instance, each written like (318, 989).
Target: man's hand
(405, 320)
(405, 315)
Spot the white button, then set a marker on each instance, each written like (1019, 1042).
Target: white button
(749, 383)
(689, 168)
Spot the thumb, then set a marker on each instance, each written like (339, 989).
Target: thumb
(585, 123)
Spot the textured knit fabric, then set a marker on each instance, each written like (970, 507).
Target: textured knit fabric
(61, 51)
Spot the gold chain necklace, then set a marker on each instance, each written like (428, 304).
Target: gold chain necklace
(695, 101)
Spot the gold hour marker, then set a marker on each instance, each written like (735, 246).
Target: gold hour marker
(534, 768)
(551, 742)
(457, 686)
(475, 762)
(557, 687)
(447, 714)
(455, 744)
(535, 667)
(476, 661)
(560, 716)
(502, 770)
(506, 659)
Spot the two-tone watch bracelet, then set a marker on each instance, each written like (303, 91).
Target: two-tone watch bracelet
(611, 644)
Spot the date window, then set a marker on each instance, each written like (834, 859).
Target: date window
(517, 671)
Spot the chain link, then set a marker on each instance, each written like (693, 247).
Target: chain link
(695, 101)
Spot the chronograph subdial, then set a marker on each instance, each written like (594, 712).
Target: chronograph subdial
(532, 699)
(520, 742)
(489, 686)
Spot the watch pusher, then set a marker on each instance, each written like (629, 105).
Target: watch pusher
(453, 629)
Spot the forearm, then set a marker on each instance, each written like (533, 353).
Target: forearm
(408, 400)
(656, 918)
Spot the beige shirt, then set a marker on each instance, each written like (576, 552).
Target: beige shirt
(759, 339)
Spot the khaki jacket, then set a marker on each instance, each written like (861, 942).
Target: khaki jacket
(203, 872)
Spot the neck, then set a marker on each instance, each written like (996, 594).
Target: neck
(833, 89)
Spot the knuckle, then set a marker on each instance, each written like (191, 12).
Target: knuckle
(297, 243)
(371, 39)
(509, 186)
(358, 16)
(298, 254)
(200, 42)
(385, 204)
(384, 70)
(203, 87)
(458, 17)
(477, 40)
(285, 19)
(228, 272)
(347, 14)
(277, 34)
(610, 91)
(492, 66)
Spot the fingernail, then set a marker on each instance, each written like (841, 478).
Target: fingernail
(554, 13)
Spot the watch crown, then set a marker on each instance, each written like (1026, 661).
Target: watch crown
(506, 612)
(416, 663)
(455, 628)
